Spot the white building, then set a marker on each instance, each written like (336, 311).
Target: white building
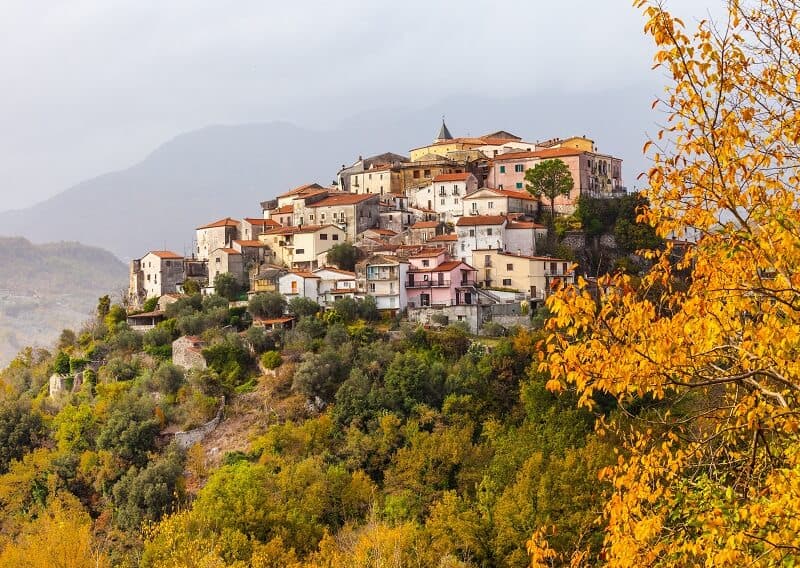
(219, 234)
(157, 273)
(299, 284)
(479, 232)
(335, 284)
(490, 201)
(445, 195)
(383, 278)
(524, 237)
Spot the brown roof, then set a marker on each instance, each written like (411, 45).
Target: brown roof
(385, 232)
(342, 199)
(273, 320)
(226, 222)
(451, 264)
(298, 229)
(514, 224)
(544, 154)
(301, 189)
(228, 251)
(425, 225)
(513, 193)
(303, 273)
(473, 220)
(340, 271)
(453, 177)
(250, 243)
(284, 209)
(165, 254)
(262, 222)
(427, 253)
(444, 238)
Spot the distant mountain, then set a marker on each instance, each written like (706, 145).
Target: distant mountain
(223, 171)
(45, 288)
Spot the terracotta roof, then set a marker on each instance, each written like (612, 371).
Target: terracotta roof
(301, 189)
(298, 229)
(342, 199)
(429, 253)
(303, 273)
(273, 320)
(226, 222)
(425, 225)
(473, 220)
(282, 210)
(544, 154)
(451, 264)
(514, 224)
(262, 222)
(525, 256)
(228, 250)
(513, 193)
(453, 177)
(338, 270)
(147, 314)
(165, 254)
(385, 232)
(311, 193)
(250, 243)
(444, 238)
(501, 135)
(342, 291)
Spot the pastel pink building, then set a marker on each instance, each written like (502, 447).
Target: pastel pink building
(434, 280)
(595, 175)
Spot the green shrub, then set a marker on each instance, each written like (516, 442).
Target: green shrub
(271, 360)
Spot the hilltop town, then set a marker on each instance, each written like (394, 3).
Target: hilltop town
(449, 233)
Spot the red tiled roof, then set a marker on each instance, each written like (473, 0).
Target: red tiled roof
(453, 177)
(165, 254)
(333, 269)
(427, 253)
(513, 193)
(250, 243)
(473, 220)
(228, 251)
(303, 273)
(450, 265)
(385, 232)
(514, 224)
(283, 210)
(262, 222)
(425, 225)
(342, 199)
(298, 229)
(342, 291)
(301, 189)
(544, 154)
(273, 320)
(444, 238)
(226, 222)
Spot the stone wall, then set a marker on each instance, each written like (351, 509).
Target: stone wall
(186, 440)
(187, 353)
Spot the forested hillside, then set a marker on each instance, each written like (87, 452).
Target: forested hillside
(44, 288)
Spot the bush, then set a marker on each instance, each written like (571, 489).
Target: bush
(343, 255)
(150, 304)
(271, 360)
(259, 340)
(440, 319)
(226, 285)
(230, 359)
(493, 329)
(61, 364)
(303, 307)
(268, 305)
(168, 378)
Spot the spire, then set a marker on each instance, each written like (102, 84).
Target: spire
(444, 133)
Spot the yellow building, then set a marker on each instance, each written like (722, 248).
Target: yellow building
(303, 247)
(531, 275)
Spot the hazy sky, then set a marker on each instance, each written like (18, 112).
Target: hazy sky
(90, 86)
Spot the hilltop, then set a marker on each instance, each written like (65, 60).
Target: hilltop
(44, 288)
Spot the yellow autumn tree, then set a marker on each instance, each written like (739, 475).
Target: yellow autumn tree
(709, 338)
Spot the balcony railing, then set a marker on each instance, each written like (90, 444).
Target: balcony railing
(437, 283)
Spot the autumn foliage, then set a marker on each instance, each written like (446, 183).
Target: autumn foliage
(703, 349)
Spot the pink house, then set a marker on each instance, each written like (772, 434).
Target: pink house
(596, 175)
(434, 280)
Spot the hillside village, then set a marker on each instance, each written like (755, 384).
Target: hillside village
(447, 234)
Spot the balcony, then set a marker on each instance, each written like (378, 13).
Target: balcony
(440, 283)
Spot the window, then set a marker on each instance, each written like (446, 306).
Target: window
(323, 236)
(300, 251)
(472, 232)
(426, 173)
(455, 200)
(491, 205)
(509, 267)
(311, 217)
(372, 286)
(506, 281)
(564, 267)
(500, 186)
(474, 205)
(390, 217)
(426, 263)
(442, 201)
(489, 231)
(502, 169)
(553, 267)
(294, 286)
(218, 260)
(370, 176)
(519, 168)
(322, 216)
(519, 185)
(455, 190)
(462, 249)
(416, 174)
(335, 237)
(148, 278)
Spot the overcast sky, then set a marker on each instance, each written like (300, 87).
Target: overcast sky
(90, 86)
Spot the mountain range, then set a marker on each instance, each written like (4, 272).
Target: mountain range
(226, 170)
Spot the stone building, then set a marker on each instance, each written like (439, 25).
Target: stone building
(157, 273)
(187, 352)
(216, 235)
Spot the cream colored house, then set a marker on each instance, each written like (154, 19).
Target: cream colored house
(226, 261)
(157, 273)
(304, 246)
(219, 234)
(532, 275)
(490, 201)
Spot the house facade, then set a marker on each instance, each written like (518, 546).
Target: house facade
(490, 201)
(383, 277)
(351, 212)
(157, 273)
(219, 234)
(304, 246)
(444, 195)
(226, 261)
(479, 232)
(532, 275)
(434, 280)
(299, 284)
